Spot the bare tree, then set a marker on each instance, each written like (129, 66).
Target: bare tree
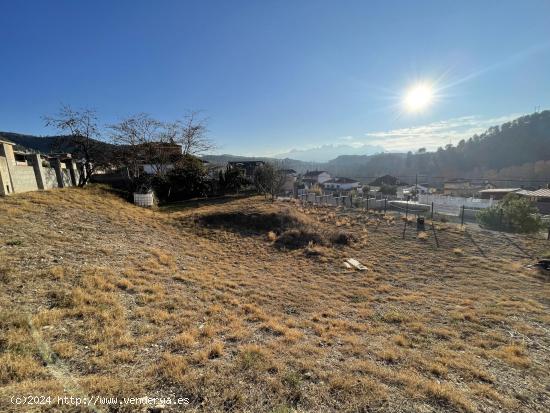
(140, 141)
(191, 133)
(269, 179)
(82, 128)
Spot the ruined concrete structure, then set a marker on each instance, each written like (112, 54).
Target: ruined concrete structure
(22, 172)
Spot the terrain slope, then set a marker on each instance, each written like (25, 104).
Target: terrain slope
(239, 304)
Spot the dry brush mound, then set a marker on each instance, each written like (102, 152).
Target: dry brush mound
(286, 227)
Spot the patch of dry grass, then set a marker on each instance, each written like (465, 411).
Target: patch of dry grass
(214, 310)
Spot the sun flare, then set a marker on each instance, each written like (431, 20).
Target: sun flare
(418, 97)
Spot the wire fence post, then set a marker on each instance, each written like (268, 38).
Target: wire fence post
(462, 217)
(367, 202)
(406, 217)
(435, 235)
(386, 205)
(548, 236)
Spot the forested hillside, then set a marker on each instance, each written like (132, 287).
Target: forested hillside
(516, 149)
(47, 144)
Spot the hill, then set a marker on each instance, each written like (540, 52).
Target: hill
(325, 153)
(48, 144)
(519, 149)
(516, 150)
(200, 301)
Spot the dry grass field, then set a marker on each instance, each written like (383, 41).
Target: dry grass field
(241, 305)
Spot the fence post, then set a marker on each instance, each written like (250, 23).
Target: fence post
(548, 237)
(385, 205)
(462, 218)
(406, 217)
(367, 202)
(435, 234)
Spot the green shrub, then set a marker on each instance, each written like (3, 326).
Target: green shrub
(513, 214)
(388, 189)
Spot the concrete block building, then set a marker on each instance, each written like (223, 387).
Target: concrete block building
(23, 172)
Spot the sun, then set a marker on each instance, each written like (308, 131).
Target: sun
(418, 97)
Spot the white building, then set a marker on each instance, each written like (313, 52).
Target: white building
(315, 177)
(412, 190)
(341, 184)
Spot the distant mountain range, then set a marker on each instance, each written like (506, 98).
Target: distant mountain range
(325, 153)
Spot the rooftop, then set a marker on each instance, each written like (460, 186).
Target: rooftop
(540, 193)
(341, 181)
(313, 174)
(245, 163)
(499, 190)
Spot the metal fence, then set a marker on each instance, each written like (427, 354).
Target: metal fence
(440, 208)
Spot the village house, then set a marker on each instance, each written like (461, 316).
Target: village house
(405, 191)
(541, 198)
(497, 193)
(372, 189)
(312, 178)
(387, 180)
(160, 157)
(464, 187)
(340, 184)
(246, 167)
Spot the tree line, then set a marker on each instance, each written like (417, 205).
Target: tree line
(169, 151)
(134, 141)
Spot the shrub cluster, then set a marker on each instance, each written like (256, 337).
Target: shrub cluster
(512, 214)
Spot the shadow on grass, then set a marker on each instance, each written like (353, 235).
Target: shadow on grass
(119, 192)
(179, 206)
(475, 244)
(251, 223)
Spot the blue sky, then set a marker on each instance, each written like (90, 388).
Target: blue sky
(276, 75)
